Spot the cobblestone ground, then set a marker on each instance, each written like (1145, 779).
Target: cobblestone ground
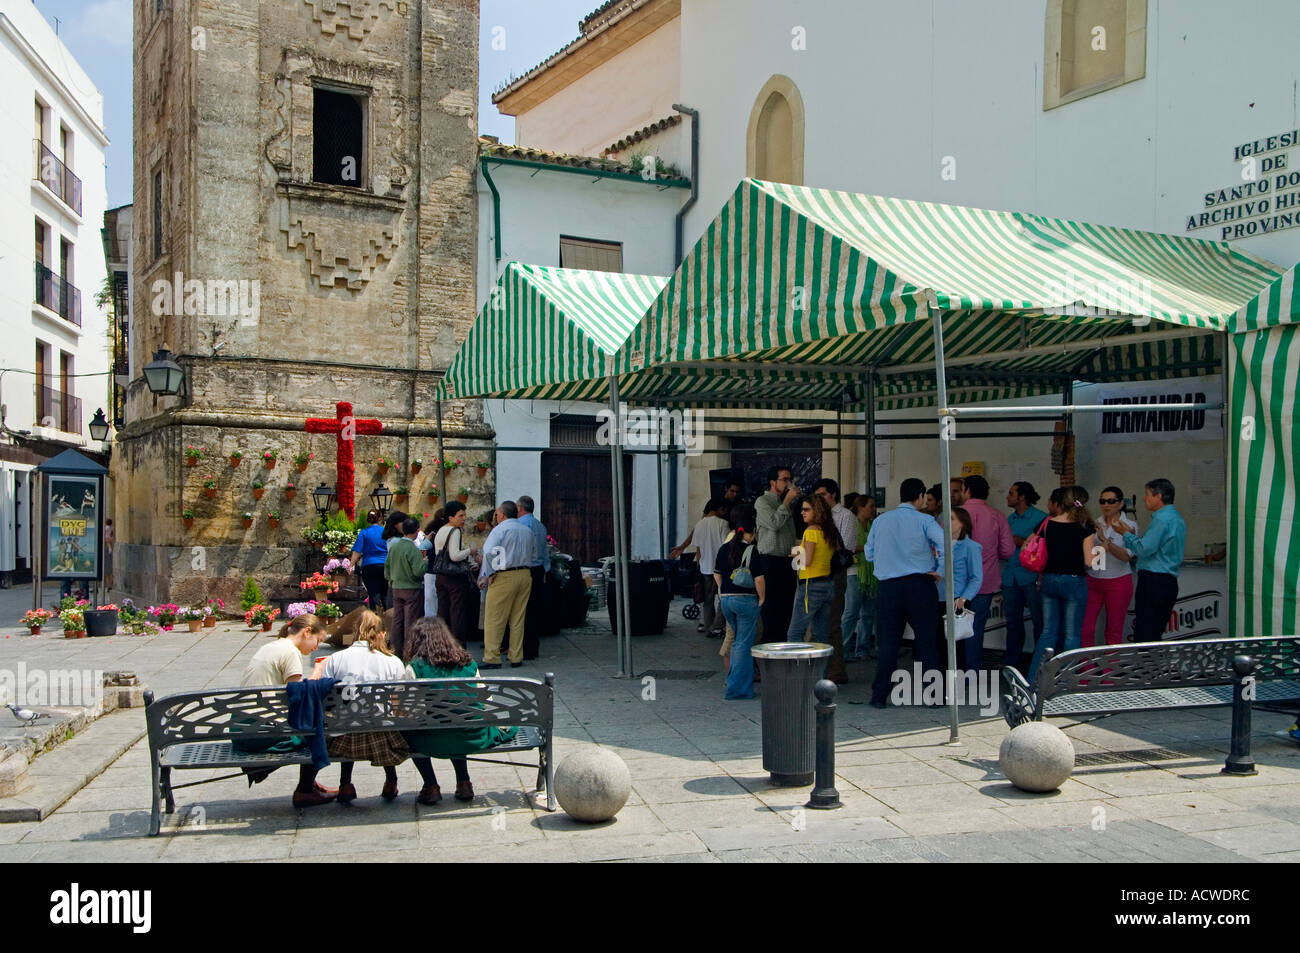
(1147, 787)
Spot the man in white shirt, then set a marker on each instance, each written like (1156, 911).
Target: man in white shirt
(707, 537)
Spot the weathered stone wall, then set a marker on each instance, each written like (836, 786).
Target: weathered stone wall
(362, 293)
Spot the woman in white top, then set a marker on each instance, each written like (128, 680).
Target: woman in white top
(458, 596)
(1110, 579)
(368, 659)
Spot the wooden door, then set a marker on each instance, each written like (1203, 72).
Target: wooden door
(577, 502)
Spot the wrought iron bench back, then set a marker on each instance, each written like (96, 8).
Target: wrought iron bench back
(366, 706)
(1165, 665)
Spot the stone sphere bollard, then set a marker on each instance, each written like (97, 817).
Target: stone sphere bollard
(1036, 756)
(592, 784)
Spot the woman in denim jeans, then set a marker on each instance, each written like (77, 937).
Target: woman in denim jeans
(1070, 539)
(812, 600)
(740, 602)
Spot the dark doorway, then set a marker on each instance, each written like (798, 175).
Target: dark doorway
(578, 502)
(800, 450)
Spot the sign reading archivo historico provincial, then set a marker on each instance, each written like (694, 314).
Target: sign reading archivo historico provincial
(1267, 197)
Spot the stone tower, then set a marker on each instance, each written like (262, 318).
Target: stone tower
(304, 199)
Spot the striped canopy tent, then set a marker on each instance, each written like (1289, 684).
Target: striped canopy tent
(1263, 458)
(548, 334)
(803, 297)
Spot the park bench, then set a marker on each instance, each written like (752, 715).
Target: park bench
(1152, 676)
(192, 730)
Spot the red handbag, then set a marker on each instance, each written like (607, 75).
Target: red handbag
(1033, 554)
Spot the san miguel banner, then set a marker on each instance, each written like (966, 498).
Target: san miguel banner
(1155, 423)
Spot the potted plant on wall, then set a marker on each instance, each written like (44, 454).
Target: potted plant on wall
(384, 464)
(313, 535)
(273, 519)
(481, 468)
(432, 495)
(35, 618)
(269, 457)
(483, 520)
(300, 460)
(210, 489)
(247, 519)
(235, 457)
(187, 517)
(416, 466)
(401, 495)
(290, 491)
(463, 494)
(193, 455)
(258, 489)
(450, 463)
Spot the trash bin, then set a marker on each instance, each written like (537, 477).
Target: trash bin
(649, 596)
(790, 670)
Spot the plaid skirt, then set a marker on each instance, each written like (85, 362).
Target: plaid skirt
(383, 749)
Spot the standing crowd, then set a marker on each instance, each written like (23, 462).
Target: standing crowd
(802, 566)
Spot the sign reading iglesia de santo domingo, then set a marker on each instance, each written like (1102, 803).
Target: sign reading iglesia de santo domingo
(1267, 197)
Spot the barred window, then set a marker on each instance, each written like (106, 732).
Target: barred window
(338, 138)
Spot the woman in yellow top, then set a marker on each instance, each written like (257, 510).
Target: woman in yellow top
(812, 558)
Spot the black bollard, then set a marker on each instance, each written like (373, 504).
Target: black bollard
(824, 796)
(1240, 761)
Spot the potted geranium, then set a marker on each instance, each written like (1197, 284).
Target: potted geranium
(235, 457)
(258, 489)
(273, 519)
(193, 455)
(463, 494)
(300, 460)
(247, 519)
(385, 464)
(192, 616)
(450, 464)
(337, 567)
(432, 495)
(211, 608)
(74, 623)
(327, 610)
(401, 495)
(481, 467)
(416, 466)
(187, 517)
(260, 615)
(483, 520)
(269, 458)
(35, 618)
(102, 620)
(210, 489)
(290, 491)
(165, 615)
(320, 584)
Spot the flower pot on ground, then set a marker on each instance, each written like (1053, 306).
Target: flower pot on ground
(74, 633)
(34, 630)
(35, 618)
(210, 622)
(266, 626)
(320, 595)
(260, 615)
(101, 622)
(194, 624)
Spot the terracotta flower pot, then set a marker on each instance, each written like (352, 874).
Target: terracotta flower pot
(272, 522)
(463, 497)
(188, 521)
(266, 626)
(416, 467)
(74, 633)
(302, 467)
(234, 461)
(317, 544)
(35, 630)
(194, 624)
(191, 461)
(209, 622)
(400, 499)
(480, 525)
(258, 492)
(270, 464)
(247, 523)
(290, 494)
(210, 492)
(481, 471)
(383, 470)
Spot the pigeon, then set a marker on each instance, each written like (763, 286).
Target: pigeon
(26, 715)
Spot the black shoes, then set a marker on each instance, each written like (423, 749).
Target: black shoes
(483, 665)
(516, 664)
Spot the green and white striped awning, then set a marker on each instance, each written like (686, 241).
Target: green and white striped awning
(548, 333)
(792, 293)
(1264, 463)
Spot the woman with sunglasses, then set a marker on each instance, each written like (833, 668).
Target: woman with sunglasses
(812, 557)
(1110, 578)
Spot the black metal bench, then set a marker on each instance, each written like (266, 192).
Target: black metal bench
(1152, 676)
(193, 729)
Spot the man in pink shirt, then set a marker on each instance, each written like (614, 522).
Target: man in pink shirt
(989, 528)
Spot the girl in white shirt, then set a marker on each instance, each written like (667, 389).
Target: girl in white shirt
(1110, 579)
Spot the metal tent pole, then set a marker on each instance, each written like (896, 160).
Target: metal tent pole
(622, 632)
(442, 471)
(870, 424)
(659, 478)
(946, 423)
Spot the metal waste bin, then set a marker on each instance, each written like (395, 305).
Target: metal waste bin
(790, 670)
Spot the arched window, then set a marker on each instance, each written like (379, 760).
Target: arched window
(774, 150)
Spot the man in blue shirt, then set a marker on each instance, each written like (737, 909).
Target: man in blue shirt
(507, 558)
(905, 545)
(538, 569)
(1159, 553)
(1020, 585)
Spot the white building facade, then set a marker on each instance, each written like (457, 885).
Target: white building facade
(56, 355)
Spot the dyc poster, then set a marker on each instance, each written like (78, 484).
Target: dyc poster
(72, 528)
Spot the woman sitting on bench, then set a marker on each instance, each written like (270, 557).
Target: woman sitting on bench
(433, 652)
(275, 665)
(368, 659)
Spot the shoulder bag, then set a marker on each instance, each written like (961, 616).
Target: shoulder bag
(444, 565)
(1033, 554)
(741, 576)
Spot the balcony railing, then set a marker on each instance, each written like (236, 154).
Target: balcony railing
(58, 294)
(58, 178)
(58, 410)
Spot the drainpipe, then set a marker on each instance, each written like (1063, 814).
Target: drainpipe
(496, 209)
(678, 254)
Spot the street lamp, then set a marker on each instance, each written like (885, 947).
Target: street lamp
(99, 426)
(322, 496)
(163, 375)
(381, 496)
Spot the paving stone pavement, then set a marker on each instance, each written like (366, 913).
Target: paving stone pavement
(699, 790)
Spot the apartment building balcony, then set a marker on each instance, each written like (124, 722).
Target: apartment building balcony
(57, 177)
(58, 294)
(58, 410)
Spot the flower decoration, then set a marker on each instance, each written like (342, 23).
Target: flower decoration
(260, 615)
(337, 567)
(319, 581)
(164, 614)
(195, 453)
(35, 618)
(73, 620)
(450, 464)
(302, 459)
(271, 455)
